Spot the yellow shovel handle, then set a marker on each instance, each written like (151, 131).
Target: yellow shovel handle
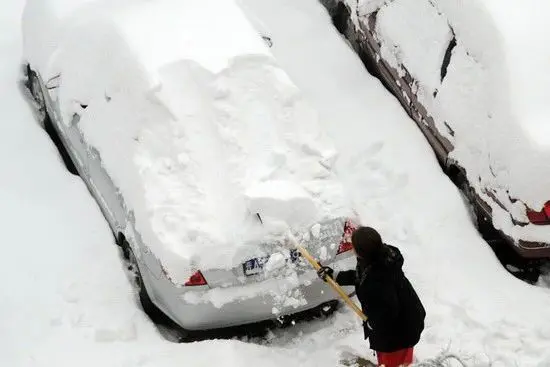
(329, 279)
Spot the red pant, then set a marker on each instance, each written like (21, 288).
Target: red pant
(403, 357)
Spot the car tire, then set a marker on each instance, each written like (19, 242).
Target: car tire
(458, 177)
(470, 197)
(137, 282)
(155, 314)
(46, 122)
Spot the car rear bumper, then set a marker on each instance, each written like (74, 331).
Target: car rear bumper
(528, 240)
(205, 309)
(533, 249)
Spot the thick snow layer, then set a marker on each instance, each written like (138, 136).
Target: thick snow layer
(499, 74)
(494, 96)
(67, 302)
(430, 38)
(166, 31)
(205, 139)
(45, 22)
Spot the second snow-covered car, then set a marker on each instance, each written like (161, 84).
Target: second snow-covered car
(473, 77)
(198, 148)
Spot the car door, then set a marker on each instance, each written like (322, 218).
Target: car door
(63, 123)
(102, 186)
(67, 117)
(102, 120)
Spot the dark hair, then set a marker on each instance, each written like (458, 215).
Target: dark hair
(366, 242)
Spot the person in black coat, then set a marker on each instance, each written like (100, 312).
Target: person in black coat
(395, 314)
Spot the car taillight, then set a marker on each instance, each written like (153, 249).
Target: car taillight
(196, 279)
(345, 244)
(540, 218)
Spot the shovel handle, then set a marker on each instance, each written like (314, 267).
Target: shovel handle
(335, 286)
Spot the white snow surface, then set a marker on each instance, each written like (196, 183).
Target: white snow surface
(431, 36)
(50, 17)
(207, 133)
(494, 96)
(67, 302)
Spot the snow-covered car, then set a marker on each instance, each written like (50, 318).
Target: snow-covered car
(198, 148)
(473, 77)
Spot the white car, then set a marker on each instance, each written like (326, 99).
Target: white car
(199, 150)
(473, 77)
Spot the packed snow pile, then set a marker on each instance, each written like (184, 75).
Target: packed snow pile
(493, 93)
(216, 149)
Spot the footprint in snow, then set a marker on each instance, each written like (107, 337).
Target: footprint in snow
(366, 156)
(374, 148)
(125, 333)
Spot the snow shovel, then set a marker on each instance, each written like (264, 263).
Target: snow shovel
(316, 265)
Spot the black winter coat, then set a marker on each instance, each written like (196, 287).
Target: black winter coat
(394, 311)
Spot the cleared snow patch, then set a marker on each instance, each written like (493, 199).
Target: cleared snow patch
(282, 200)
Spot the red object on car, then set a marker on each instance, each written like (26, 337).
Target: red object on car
(345, 244)
(540, 218)
(196, 279)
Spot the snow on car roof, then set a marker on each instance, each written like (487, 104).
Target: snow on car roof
(525, 29)
(508, 41)
(217, 132)
(509, 37)
(42, 23)
(211, 33)
(494, 95)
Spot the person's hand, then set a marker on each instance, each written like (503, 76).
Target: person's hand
(324, 272)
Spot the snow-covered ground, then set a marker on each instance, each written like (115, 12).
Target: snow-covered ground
(66, 300)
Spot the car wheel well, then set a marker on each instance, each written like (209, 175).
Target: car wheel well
(28, 72)
(340, 17)
(120, 239)
(48, 126)
(456, 174)
(124, 245)
(147, 304)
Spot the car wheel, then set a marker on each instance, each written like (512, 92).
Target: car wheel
(176, 332)
(137, 283)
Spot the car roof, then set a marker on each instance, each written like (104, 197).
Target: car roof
(518, 51)
(157, 33)
(208, 32)
(201, 119)
(525, 28)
